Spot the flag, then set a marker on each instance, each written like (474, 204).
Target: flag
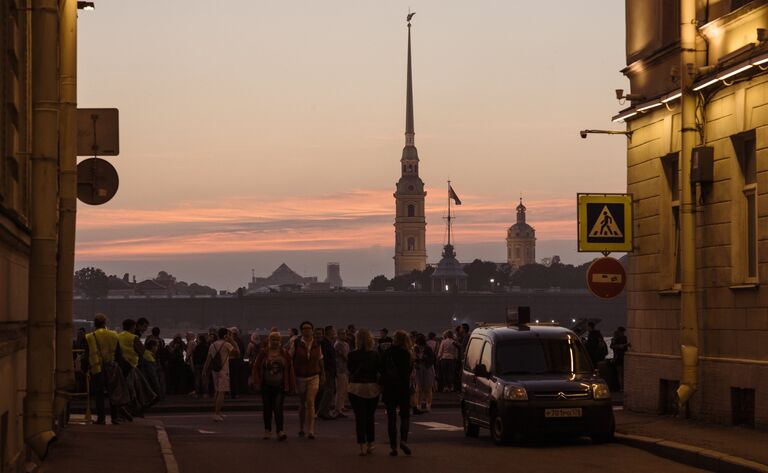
(452, 195)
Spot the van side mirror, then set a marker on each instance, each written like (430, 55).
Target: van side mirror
(481, 370)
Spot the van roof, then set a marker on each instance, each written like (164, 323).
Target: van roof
(514, 332)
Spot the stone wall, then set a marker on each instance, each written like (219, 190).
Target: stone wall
(411, 311)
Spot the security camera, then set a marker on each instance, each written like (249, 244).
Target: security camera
(619, 96)
(583, 134)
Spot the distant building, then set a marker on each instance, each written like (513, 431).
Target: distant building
(449, 275)
(410, 219)
(282, 276)
(521, 241)
(118, 287)
(333, 275)
(150, 287)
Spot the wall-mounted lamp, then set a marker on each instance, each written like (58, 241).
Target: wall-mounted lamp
(584, 133)
(87, 6)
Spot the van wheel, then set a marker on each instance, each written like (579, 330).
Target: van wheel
(470, 429)
(499, 431)
(605, 437)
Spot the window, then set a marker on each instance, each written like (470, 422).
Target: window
(541, 356)
(486, 357)
(517, 252)
(411, 210)
(473, 354)
(411, 244)
(671, 166)
(745, 200)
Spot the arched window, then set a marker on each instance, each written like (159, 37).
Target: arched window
(517, 252)
(410, 167)
(411, 244)
(411, 210)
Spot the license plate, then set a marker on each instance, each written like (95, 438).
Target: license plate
(554, 413)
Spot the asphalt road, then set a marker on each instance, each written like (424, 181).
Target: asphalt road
(235, 445)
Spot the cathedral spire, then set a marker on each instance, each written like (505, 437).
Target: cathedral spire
(409, 134)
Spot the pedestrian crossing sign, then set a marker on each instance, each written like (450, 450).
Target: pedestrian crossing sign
(605, 222)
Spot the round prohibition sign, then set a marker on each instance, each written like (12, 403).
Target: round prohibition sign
(606, 278)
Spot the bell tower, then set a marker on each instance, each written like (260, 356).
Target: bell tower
(410, 219)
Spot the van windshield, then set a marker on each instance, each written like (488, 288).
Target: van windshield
(538, 356)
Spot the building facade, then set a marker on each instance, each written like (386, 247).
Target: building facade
(521, 241)
(333, 275)
(410, 217)
(15, 241)
(730, 182)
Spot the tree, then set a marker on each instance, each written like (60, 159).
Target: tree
(165, 279)
(91, 282)
(379, 283)
(480, 273)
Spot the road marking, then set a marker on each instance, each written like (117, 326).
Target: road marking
(439, 426)
(165, 448)
(206, 431)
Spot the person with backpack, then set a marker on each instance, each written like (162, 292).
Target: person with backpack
(424, 368)
(397, 364)
(217, 364)
(596, 346)
(307, 357)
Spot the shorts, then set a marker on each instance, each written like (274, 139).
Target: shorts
(221, 381)
(311, 384)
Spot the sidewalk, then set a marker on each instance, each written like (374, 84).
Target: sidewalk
(125, 448)
(708, 446)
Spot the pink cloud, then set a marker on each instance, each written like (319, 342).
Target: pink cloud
(352, 220)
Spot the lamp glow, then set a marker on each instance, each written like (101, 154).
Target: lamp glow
(621, 118)
(672, 97)
(648, 107)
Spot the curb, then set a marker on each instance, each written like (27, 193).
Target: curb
(697, 457)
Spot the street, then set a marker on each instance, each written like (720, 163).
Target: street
(202, 446)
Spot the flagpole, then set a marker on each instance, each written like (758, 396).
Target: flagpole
(449, 212)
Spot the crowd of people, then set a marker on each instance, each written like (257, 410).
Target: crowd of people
(330, 369)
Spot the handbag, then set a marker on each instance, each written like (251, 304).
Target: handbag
(117, 387)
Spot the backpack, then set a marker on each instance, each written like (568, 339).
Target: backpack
(216, 364)
(390, 372)
(602, 349)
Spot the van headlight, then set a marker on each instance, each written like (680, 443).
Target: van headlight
(601, 391)
(515, 393)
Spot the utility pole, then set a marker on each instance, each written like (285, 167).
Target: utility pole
(65, 380)
(38, 403)
(689, 324)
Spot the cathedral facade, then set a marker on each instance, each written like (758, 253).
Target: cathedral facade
(521, 241)
(410, 218)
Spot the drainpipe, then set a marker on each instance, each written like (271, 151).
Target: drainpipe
(689, 323)
(38, 403)
(65, 380)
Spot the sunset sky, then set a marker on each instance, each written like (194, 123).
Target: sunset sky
(261, 132)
